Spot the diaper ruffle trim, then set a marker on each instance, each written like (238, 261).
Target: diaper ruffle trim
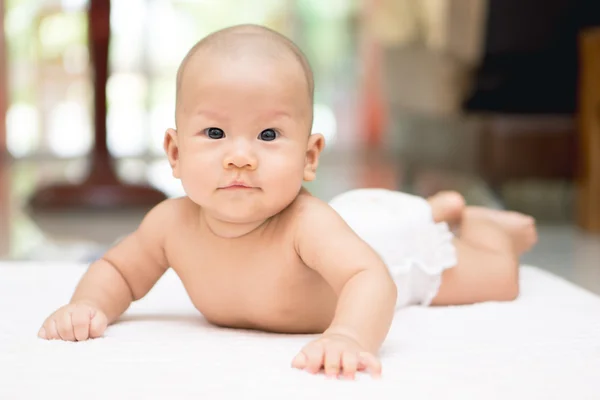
(434, 252)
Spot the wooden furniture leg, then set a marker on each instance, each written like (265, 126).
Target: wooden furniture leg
(588, 180)
(102, 189)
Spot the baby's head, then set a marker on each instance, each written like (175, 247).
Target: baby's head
(244, 118)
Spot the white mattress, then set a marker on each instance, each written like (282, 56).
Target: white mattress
(545, 345)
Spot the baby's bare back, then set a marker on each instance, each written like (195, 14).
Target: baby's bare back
(257, 281)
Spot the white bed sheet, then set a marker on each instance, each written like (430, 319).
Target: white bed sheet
(545, 345)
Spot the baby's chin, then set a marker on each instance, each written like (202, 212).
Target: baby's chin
(242, 218)
(244, 210)
(240, 214)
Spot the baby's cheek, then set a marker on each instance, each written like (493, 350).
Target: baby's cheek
(193, 191)
(285, 169)
(285, 188)
(195, 184)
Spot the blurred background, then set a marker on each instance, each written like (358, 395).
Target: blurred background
(498, 99)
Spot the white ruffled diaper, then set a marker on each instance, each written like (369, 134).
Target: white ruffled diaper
(400, 228)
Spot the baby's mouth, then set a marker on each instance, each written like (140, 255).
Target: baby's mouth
(237, 185)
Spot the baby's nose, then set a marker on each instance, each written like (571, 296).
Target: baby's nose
(240, 155)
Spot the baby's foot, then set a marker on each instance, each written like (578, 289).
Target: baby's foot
(520, 227)
(447, 206)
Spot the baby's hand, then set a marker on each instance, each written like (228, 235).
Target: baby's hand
(336, 354)
(74, 322)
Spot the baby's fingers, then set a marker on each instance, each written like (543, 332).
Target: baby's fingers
(81, 317)
(314, 353)
(98, 324)
(74, 322)
(299, 361)
(43, 332)
(48, 330)
(64, 325)
(333, 361)
(370, 362)
(349, 364)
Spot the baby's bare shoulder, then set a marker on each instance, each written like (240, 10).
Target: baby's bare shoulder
(169, 213)
(183, 209)
(312, 213)
(305, 209)
(306, 203)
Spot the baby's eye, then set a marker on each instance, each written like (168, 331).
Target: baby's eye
(214, 133)
(268, 135)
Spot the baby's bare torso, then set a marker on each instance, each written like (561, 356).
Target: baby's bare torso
(257, 281)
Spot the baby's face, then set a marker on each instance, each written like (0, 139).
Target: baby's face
(243, 140)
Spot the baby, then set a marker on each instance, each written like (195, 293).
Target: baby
(254, 250)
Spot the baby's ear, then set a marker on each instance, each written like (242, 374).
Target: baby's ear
(316, 143)
(172, 149)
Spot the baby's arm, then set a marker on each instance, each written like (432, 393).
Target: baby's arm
(365, 289)
(124, 274)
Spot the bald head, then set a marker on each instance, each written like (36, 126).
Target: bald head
(253, 40)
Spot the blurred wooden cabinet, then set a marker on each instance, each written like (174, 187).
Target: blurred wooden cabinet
(554, 146)
(588, 176)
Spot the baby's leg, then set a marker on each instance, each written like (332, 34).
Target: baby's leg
(487, 268)
(488, 249)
